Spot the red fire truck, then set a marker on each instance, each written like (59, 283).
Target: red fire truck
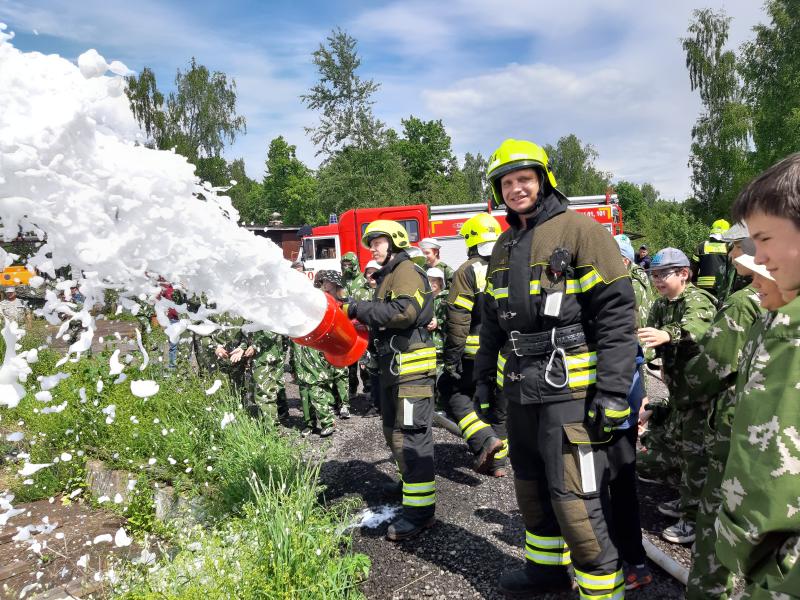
(327, 243)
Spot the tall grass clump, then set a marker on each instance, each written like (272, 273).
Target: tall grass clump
(285, 545)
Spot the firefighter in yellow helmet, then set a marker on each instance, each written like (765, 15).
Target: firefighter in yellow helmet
(711, 266)
(483, 429)
(559, 309)
(397, 317)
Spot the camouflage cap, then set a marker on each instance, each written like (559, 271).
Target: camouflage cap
(333, 277)
(350, 257)
(668, 257)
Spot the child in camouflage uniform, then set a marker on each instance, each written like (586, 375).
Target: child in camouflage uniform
(711, 377)
(331, 283)
(436, 278)
(758, 526)
(677, 321)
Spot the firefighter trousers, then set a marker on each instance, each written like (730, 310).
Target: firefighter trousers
(477, 424)
(407, 416)
(561, 481)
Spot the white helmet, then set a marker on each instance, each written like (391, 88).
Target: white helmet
(435, 272)
(429, 244)
(373, 264)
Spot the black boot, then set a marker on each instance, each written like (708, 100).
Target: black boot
(392, 489)
(534, 579)
(403, 529)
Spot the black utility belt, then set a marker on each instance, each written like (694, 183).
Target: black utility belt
(543, 343)
(400, 343)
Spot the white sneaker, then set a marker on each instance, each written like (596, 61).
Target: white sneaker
(671, 508)
(680, 533)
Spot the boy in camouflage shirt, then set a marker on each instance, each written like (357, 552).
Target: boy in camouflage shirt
(676, 323)
(436, 278)
(711, 377)
(758, 527)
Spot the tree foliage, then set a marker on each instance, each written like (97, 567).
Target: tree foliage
(474, 171)
(343, 99)
(770, 68)
(425, 152)
(201, 113)
(573, 165)
(147, 105)
(719, 160)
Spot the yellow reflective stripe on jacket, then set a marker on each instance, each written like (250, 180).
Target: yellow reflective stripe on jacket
(471, 347)
(591, 279)
(546, 550)
(715, 248)
(582, 378)
(536, 287)
(706, 281)
(416, 361)
(464, 303)
(501, 365)
(504, 451)
(581, 361)
(419, 298)
(585, 283)
(470, 424)
(497, 293)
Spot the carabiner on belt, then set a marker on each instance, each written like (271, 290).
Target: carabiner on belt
(396, 359)
(556, 351)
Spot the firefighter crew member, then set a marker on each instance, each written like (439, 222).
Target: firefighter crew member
(559, 308)
(431, 248)
(711, 263)
(397, 317)
(484, 435)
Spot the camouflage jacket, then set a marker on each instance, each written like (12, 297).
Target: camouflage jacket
(310, 366)
(440, 313)
(686, 319)
(271, 348)
(643, 292)
(758, 527)
(711, 375)
(361, 293)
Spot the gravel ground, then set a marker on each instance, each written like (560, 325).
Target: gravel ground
(479, 531)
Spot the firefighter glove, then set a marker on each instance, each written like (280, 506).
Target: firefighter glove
(607, 413)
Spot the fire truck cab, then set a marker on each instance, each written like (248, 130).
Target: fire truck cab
(326, 245)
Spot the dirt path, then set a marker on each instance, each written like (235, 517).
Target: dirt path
(480, 530)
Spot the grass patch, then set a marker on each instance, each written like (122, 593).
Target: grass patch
(285, 545)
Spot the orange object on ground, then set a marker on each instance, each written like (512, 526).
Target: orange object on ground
(336, 337)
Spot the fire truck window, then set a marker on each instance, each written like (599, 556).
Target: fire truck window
(325, 248)
(411, 225)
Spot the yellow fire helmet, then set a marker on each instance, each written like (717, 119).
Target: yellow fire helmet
(480, 228)
(719, 227)
(511, 156)
(397, 234)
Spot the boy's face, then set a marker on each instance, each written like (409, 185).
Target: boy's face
(777, 247)
(670, 282)
(769, 294)
(436, 285)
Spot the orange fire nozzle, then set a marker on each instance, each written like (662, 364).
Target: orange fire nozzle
(336, 337)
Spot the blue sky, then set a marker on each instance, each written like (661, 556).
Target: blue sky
(610, 71)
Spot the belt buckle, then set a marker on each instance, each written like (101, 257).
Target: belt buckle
(514, 339)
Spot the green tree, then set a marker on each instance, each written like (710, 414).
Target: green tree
(474, 172)
(573, 165)
(201, 113)
(425, 152)
(771, 71)
(288, 183)
(246, 194)
(343, 99)
(670, 224)
(147, 106)
(359, 178)
(718, 160)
